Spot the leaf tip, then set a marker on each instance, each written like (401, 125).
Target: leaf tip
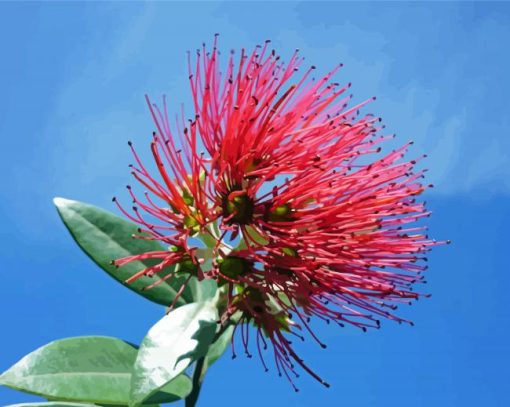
(61, 202)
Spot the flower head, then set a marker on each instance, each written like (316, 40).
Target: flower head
(303, 214)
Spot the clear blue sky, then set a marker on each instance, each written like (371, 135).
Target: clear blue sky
(72, 80)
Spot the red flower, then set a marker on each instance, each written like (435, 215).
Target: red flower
(323, 217)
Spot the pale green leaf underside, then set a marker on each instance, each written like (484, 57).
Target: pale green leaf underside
(52, 404)
(90, 369)
(170, 346)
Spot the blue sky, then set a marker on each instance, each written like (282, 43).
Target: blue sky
(73, 76)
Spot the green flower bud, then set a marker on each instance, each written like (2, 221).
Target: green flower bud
(241, 207)
(233, 267)
(282, 213)
(186, 266)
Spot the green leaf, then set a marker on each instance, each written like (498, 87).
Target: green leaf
(86, 369)
(105, 237)
(177, 389)
(93, 369)
(219, 346)
(202, 291)
(52, 404)
(170, 400)
(171, 345)
(143, 405)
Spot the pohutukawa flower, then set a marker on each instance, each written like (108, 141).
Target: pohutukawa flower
(303, 214)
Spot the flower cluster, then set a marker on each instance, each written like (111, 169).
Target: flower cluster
(301, 213)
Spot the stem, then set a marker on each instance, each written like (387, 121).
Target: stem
(192, 398)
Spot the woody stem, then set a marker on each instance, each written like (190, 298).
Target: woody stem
(192, 398)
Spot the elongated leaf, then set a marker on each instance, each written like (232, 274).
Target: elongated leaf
(105, 237)
(93, 369)
(177, 389)
(171, 345)
(202, 291)
(52, 404)
(219, 346)
(125, 405)
(86, 369)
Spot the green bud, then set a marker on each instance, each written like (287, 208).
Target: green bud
(187, 197)
(233, 267)
(282, 213)
(192, 223)
(186, 266)
(241, 206)
(289, 251)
